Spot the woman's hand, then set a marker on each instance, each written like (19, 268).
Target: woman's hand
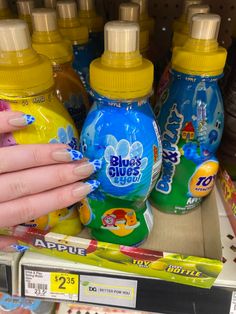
(38, 179)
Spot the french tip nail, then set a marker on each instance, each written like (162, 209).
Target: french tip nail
(22, 120)
(97, 164)
(94, 184)
(75, 154)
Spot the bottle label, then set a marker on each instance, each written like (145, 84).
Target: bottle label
(52, 125)
(125, 163)
(191, 121)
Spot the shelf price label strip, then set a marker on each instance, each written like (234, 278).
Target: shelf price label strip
(83, 288)
(51, 285)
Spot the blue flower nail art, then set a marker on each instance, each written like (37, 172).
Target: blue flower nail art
(94, 184)
(97, 164)
(75, 154)
(20, 248)
(28, 119)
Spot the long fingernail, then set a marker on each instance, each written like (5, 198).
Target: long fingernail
(87, 168)
(23, 120)
(67, 155)
(82, 189)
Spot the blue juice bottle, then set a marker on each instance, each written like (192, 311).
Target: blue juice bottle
(89, 17)
(191, 119)
(121, 131)
(71, 28)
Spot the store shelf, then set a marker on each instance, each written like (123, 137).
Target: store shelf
(95, 285)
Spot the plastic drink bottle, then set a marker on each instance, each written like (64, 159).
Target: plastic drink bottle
(191, 119)
(120, 131)
(130, 12)
(71, 28)
(50, 4)
(179, 39)
(179, 23)
(5, 12)
(89, 17)
(24, 8)
(48, 41)
(26, 84)
(180, 36)
(145, 21)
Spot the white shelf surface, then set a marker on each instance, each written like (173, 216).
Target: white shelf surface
(228, 275)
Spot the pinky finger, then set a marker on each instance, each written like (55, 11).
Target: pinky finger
(29, 208)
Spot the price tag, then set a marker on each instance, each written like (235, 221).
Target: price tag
(51, 285)
(64, 283)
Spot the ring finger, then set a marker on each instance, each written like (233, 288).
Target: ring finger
(32, 181)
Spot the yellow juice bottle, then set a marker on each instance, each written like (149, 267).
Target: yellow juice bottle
(24, 8)
(48, 41)
(27, 85)
(130, 12)
(5, 12)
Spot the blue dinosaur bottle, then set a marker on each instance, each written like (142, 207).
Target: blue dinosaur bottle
(121, 131)
(191, 119)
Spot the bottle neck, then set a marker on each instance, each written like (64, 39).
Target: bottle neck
(199, 57)
(53, 45)
(73, 30)
(121, 60)
(19, 58)
(87, 14)
(46, 37)
(200, 45)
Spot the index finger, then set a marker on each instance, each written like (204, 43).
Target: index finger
(18, 157)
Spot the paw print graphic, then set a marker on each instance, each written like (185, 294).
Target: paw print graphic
(66, 136)
(125, 163)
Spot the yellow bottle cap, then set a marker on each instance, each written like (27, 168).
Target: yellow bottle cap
(130, 12)
(121, 72)
(46, 38)
(69, 24)
(51, 4)
(201, 54)
(180, 37)
(22, 71)
(89, 17)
